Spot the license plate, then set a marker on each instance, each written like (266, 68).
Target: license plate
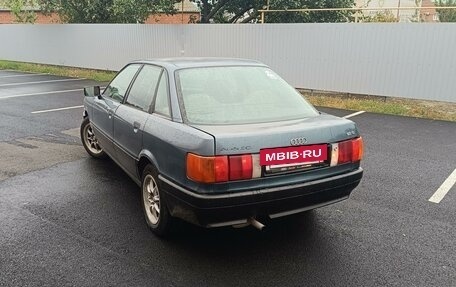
(294, 155)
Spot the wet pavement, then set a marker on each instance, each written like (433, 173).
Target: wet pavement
(67, 219)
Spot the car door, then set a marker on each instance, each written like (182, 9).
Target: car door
(106, 105)
(130, 117)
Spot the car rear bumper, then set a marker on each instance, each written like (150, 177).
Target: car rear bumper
(237, 208)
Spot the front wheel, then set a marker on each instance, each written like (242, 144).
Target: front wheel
(89, 141)
(153, 202)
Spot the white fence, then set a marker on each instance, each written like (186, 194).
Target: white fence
(391, 59)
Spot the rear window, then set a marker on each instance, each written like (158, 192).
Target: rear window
(239, 95)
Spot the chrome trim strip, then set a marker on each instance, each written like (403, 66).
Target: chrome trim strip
(285, 213)
(259, 191)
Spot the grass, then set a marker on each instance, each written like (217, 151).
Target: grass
(97, 75)
(386, 105)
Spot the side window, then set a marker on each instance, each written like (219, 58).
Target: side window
(143, 89)
(161, 102)
(118, 87)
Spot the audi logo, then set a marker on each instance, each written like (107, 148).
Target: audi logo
(298, 141)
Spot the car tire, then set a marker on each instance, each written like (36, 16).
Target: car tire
(89, 141)
(154, 204)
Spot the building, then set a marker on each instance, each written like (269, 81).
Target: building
(429, 14)
(187, 12)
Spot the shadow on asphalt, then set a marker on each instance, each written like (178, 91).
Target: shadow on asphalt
(96, 200)
(229, 239)
(282, 233)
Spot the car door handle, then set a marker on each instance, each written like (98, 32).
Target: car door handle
(136, 126)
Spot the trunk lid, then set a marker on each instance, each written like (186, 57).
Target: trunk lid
(251, 138)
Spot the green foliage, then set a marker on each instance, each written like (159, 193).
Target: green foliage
(446, 15)
(22, 10)
(97, 75)
(245, 11)
(309, 17)
(380, 16)
(107, 11)
(238, 11)
(393, 106)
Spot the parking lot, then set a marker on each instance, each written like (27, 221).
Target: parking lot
(67, 219)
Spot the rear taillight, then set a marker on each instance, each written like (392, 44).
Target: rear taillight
(211, 169)
(349, 151)
(207, 169)
(358, 149)
(240, 167)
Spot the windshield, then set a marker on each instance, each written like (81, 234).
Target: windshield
(239, 95)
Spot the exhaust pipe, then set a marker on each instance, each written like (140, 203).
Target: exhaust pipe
(255, 223)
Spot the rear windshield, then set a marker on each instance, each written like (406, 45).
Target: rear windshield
(239, 95)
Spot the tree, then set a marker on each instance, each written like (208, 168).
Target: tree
(381, 16)
(234, 11)
(22, 10)
(107, 11)
(229, 11)
(309, 17)
(245, 11)
(446, 15)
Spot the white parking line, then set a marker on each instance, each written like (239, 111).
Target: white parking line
(56, 110)
(444, 188)
(37, 94)
(354, 114)
(23, 75)
(45, 93)
(40, 82)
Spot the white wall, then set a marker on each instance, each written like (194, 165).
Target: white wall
(387, 59)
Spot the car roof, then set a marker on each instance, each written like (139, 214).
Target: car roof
(194, 62)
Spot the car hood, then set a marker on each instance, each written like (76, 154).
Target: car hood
(250, 138)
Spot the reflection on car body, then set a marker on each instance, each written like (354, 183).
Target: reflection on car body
(194, 133)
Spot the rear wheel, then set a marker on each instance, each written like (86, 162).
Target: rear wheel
(153, 202)
(89, 141)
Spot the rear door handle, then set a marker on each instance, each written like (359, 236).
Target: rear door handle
(136, 126)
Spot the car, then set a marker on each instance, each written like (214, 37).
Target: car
(220, 142)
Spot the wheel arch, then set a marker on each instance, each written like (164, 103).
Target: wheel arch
(145, 158)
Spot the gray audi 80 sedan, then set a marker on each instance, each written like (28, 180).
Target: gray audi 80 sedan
(220, 142)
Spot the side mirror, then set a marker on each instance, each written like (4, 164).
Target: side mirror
(92, 91)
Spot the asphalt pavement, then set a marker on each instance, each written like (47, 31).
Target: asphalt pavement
(70, 220)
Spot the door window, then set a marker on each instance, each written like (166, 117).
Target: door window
(143, 89)
(119, 86)
(161, 102)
